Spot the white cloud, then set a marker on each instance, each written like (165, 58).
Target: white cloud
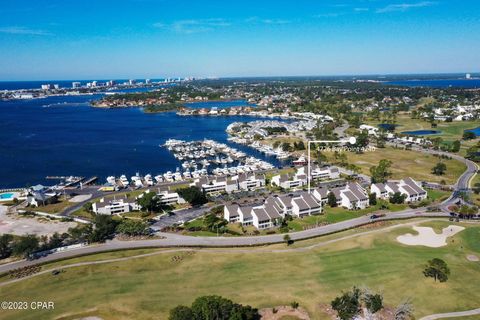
(24, 31)
(361, 9)
(402, 7)
(267, 21)
(194, 25)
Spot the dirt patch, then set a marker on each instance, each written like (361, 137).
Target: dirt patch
(277, 313)
(386, 313)
(473, 258)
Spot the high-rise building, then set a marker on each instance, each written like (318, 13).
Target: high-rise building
(46, 86)
(131, 82)
(56, 86)
(94, 83)
(76, 85)
(148, 81)
(468, 76)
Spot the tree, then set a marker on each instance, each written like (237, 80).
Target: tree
(81, 233)
(455, 146)
(150, 202)
(301, 146)
(347, 305)
(55, 241)
(104, 228)
(362, 141)
(439, 169)
(5, 245)
(132, 227)
(193, 195)
(331, 200)
(88, 207)
(397, 197)
(381, 173)
(373, 302)
(24, 246)
(214, 223)
(286, 146)
(468, 135)
(181, 313)
(372, 199)
(476, 188)
(218, 308)
(437, 269)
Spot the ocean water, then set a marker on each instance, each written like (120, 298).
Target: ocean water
(59, 136)
(440, 83)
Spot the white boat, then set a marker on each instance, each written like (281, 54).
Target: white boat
(111, 180)
(138, 183)
(177, 176)
(149, 180)
(124, 180)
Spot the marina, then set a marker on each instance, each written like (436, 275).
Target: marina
(200, 158)
(84, 141)
(213, 157)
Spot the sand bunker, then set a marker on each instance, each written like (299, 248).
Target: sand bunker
(429, 238)
(473, 258)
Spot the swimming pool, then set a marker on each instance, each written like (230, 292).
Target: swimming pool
(6, 196)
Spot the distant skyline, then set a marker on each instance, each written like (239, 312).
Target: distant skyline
(106, 39)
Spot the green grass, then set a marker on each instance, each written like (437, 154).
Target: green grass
(450, 131)
(407, 164)
(438, 195)
(146, 288)
(82, 213)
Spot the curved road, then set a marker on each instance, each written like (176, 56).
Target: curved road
(321, 243)
(174, 240)
(452, 314)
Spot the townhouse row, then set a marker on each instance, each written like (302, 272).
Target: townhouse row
(115, 205)
(244, 181)
(299, 179)
(412, 190)
(274, 208)
(350, 196)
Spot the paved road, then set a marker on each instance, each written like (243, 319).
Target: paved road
(452, 314)
(177, 240)
(320, 243)
(171, 240)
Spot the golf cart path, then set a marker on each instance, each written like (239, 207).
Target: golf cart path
(452, 314)
(301, 249)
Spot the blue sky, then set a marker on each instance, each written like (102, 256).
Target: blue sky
(87, 39)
